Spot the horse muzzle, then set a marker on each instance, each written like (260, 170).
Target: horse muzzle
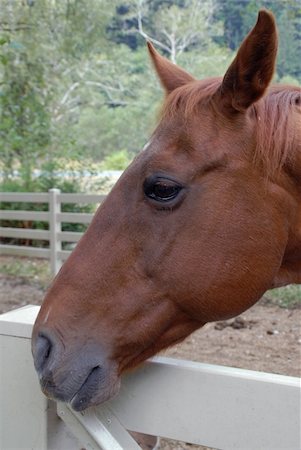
(82, 376)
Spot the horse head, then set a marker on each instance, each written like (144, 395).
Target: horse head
(204, 220)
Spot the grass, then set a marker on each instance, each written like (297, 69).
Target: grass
(37, 271)
(286, 297)
(32, 270)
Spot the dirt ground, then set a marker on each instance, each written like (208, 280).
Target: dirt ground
(265, 338)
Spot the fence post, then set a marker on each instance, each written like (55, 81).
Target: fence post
(54, 228)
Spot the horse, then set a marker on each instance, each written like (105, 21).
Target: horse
(201, 224)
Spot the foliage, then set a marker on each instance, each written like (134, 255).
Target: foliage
(42, 46)
(238, 17)
(213, 63)
(286, 297)
(174, 27)
(116, 161)
(288, 79)
(76, 82)
(24, 119)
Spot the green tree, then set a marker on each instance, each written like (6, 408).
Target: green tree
(231, 15)
(24, 119)
(239, 16)
(44, 44)
(174, 27)
(289, 55)
(70, 89)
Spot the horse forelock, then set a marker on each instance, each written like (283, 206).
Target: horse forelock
(277, 136)
(187, 99)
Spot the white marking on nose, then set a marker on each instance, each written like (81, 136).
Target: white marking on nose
(47, 315)
(146, 145)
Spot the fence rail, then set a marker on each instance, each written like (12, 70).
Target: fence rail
(54, 217)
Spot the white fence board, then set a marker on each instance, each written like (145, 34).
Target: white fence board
(75, 217)
(19, 322)
(220, 407)
(24, 215)
(102, 431)
(19, 250)
(81, 198)
(24, 233)
(23, 423)
(55, 244)
(30, 197)
(69, 236)
(27, 419)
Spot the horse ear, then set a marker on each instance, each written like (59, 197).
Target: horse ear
(170, 75)
(252, 70)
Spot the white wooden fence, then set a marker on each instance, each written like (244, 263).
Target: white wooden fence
(220, 407)
(54, 216)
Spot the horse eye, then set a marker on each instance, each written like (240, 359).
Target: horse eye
(161, 190)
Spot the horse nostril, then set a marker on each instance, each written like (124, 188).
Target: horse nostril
(43, 347)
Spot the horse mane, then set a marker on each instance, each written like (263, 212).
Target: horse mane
(276, 135)
(188, 97)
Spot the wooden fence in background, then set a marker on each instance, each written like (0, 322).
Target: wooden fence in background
(54, 217)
